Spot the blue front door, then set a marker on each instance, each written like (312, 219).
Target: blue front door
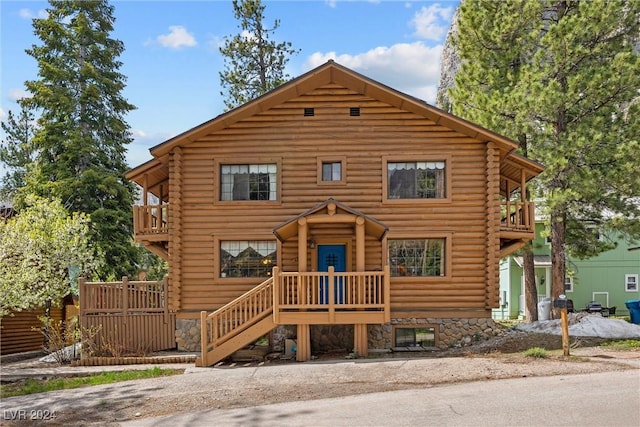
(332, 256)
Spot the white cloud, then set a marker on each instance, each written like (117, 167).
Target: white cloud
(432, 22)
(138, 150)
(28, 14)
(177, 38)
(410, 68)
(17, 94)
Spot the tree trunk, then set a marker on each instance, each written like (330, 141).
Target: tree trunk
(530, 288)
(558, 260)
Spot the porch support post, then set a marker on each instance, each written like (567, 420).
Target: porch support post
(360, 338)
(303, 343)
(360, 249)
(145, 189)
(360, 335)
(523, 197)
(302, 244)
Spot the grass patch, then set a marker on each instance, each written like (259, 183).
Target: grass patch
(31, 386)
(537, 352)
(622, 344)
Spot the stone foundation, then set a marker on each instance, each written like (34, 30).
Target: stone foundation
(188, 334)
(456, 332)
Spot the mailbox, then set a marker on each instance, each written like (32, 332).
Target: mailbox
(560, 302)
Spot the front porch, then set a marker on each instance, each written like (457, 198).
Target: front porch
(302, 299)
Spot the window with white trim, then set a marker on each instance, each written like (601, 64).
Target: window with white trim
(417, 257)
(568, 284)
(247, 258)
(416, 180)
(631, 283)
(249, 182)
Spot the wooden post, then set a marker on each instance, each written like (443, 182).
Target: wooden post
(203, 338)
(360, 244)
(303, 343)
(125, 295)
(386, 283)
(565, 331)
(276, 295)
(331, 285)
(302, 244)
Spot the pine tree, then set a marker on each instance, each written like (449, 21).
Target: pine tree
(254, 64)
(563, 75)
(82, 136)
(16, 150)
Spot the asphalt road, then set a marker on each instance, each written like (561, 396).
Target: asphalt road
(602, 399)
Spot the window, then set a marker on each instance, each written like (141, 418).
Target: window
(332, 171)
(631, 283)
(248, 182)
(568, 284)
(417, 257)
(415, 337)
(247, 258)
(416, 180)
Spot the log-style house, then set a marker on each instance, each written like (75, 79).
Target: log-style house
(333, 200)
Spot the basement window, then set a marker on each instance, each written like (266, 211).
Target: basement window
(309, 112)
(354, 111)
(410, 338)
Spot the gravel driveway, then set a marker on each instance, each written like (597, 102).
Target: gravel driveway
(253, 384)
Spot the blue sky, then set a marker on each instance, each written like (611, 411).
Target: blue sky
(172, 60)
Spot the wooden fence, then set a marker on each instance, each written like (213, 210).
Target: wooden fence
(129, 317)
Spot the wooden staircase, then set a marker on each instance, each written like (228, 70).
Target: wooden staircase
(237, 324)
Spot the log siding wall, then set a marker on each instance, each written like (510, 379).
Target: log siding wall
(380, 132)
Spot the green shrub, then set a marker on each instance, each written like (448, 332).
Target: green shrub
(538, 352)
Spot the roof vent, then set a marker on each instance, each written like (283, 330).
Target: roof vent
(308, 112)
(354, 111)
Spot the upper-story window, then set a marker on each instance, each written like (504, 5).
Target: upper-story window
(631, 283)
(332, 170)
(249, 182)
(416, 180)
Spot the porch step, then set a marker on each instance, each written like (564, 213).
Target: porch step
(236, 343)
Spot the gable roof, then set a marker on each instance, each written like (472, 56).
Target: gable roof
(289, 228)
(327, 73)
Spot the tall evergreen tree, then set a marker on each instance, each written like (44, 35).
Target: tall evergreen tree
(254, 64)
(82, 136)
(563, 75)
(16, 150)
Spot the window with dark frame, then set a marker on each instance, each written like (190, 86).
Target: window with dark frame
(415, 337)
(248, 182)
(631, 283)
(332, 171)
(417, 257)
(247, 258)
(416, 180)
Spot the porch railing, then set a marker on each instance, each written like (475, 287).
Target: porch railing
(151, 219)
(518, 216)
(331, 291)
(237, 316)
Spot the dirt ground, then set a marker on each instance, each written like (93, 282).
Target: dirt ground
(242, 384)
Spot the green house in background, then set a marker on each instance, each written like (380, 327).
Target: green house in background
(610, 278)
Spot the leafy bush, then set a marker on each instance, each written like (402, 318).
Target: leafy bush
(537, 352)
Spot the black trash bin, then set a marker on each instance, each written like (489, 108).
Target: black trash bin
(634, 310)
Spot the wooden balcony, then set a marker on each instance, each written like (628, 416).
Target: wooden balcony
(151, 228)
(150, 222)
(518, 220)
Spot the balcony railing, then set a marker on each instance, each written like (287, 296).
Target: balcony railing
(150, 220)
(518, 217)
